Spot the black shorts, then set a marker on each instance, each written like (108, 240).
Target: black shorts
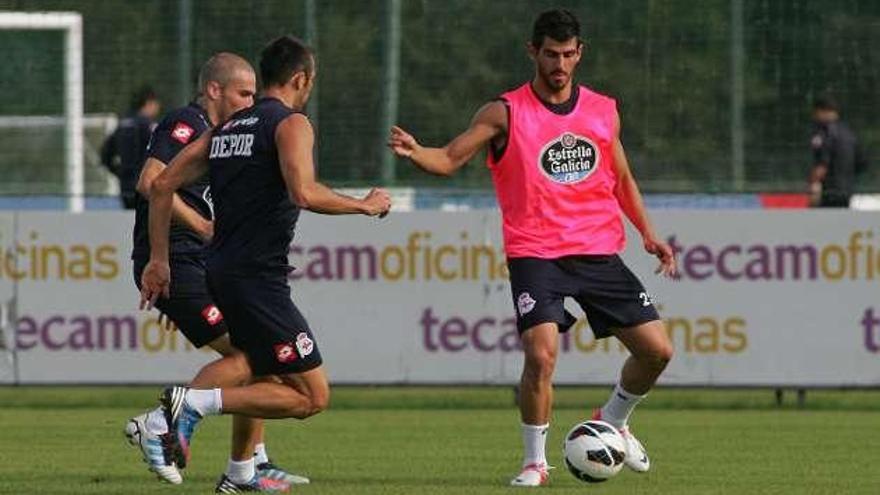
(608, 292)
(264, 322)
(190, 306)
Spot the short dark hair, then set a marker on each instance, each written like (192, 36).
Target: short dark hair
(826, 102)
(142, 96)
(559, 24)
(282, 58)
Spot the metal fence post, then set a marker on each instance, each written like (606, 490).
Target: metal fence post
(390, 87)
(311, 12)
(737, 96)
(184, 51)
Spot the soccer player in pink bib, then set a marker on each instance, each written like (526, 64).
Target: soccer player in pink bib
(562, 181)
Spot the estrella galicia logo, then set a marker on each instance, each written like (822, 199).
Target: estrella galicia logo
(569, 158)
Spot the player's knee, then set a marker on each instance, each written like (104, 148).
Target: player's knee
(317, 400)
(320, 402)
(663, 352)
(666, 353)
(316, 405)
(541, 363)
(659, 356)
(241, 367)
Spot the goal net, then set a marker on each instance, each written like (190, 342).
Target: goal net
(48, 82)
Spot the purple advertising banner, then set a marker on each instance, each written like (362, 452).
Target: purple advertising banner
(762, 298)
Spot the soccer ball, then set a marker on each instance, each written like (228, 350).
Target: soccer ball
(594, 451)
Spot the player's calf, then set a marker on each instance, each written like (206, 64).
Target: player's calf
(184, 409)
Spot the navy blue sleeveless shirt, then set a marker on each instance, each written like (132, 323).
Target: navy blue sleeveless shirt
(254, 218)
(179, 128)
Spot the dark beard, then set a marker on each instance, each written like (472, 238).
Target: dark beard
(548, 80)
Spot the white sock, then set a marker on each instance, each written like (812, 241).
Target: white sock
(534, 444)
(619, 406)
(260, 455)
(156, 423)
(240, 471)
(205, 402)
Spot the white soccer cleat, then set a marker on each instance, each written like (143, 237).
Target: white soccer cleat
(151, 448)
(257, 484)
(532, 475)
(636, 455)
(271, 471)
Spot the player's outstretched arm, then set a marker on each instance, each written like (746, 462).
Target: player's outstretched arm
(630, 199)
(489, 122)
(295, 140)
(180, 211)
(186, 168)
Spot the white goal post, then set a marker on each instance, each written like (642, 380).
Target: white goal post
(71, 24)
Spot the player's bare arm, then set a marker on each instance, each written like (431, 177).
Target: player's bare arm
(295, 139)
(488, 124)
(187, 167)
(630, 199)
(180, 211)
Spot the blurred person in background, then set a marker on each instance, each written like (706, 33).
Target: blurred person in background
(227, 84)
(563, 184)
(124, 151)
(838, 158)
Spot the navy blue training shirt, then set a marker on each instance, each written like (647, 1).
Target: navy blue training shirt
(179, 128)
(129, 143)
(835, 145)
(254, 216)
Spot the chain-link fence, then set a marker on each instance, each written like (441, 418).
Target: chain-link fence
(714, 95)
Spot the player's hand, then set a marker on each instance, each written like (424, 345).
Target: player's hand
(206, 230)
(155, 283)
(165, 321)
(402, 143)
(377, 202)
(664, 253)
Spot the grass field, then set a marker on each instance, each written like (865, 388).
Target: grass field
(456, 441)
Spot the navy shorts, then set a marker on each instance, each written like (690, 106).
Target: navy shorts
(190, 306)
(608, 292)
(264, 322)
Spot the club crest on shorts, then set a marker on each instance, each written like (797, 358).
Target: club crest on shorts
(525, 303)
(212, 314)
(304, 344)
(569, 158)
(285, 353)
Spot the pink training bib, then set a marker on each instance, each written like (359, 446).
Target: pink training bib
(555, 179)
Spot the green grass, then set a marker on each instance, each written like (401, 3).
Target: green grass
(456, 441)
